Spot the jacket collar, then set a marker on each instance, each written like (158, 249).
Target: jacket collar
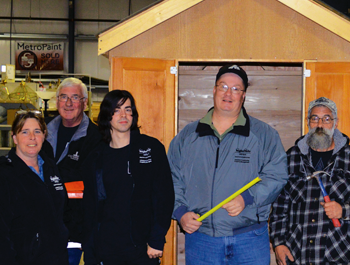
(205, 129)
(21, 167)
(134, 137)
(339, 140)
(52, 129)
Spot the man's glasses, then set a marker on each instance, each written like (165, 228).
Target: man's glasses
(325, 119)
(74, 98)
(224, 88)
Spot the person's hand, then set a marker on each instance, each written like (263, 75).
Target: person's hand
(333, 209)
(282, 253)
(235, 207)
(189, 222)
(154, 253)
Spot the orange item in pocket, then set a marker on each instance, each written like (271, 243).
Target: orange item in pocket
(75, 189)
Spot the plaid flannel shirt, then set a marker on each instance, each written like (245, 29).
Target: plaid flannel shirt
(299, 222)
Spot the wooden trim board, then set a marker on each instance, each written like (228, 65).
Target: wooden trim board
(321, 15)
(142, 22)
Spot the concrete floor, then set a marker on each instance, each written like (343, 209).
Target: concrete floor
(181, 251)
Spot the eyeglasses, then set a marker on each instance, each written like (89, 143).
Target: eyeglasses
(24, 112)
(325, 119)
(224, 88)
(74, 98)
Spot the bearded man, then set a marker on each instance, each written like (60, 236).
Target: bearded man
(301, 228)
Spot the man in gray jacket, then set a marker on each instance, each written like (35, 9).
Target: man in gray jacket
(214, 157)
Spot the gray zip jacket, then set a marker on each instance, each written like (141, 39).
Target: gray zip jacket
(206, 171)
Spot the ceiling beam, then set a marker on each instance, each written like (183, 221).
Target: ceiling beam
(321, 15)
(142, 22)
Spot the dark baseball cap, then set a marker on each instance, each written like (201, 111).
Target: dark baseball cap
(234, 69)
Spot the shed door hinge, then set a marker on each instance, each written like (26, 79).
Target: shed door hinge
(173, 70)
(307, 73)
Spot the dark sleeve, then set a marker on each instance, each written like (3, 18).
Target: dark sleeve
(89, 214)
(67, 210)
(7, 252)
(163, 202)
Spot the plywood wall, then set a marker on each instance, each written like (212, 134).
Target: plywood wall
(237, 29)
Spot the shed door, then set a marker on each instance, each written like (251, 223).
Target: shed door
(153, 87)
(331, 80)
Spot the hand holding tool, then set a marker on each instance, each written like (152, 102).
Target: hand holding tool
(326, 198)
(230, 198)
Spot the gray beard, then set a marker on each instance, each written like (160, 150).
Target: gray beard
(320, 138)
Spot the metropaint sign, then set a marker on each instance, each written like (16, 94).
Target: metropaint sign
(42, 56)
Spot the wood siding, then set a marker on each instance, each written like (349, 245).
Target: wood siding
(237, 29)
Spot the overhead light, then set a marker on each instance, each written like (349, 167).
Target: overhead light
(32, 36)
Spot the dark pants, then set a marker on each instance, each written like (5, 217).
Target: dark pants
(74, 256)
(138, 256)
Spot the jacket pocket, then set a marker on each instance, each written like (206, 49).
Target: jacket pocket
(34, 247)
(298, 191)
(340, 187)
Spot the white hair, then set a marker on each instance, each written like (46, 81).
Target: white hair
(70, 82)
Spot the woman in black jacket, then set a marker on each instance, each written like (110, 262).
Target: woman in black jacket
(129, 195)
(32, 197)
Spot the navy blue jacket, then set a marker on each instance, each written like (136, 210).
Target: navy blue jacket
(153, 195)
(85, 139)
(32, 231)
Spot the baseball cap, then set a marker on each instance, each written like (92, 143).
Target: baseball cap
(235, 69)
(322, 101)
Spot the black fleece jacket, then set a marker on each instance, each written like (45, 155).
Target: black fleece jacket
(152, 198)
(32, 231)
(85, 140)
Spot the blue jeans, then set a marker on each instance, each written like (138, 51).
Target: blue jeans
(74, 256)
(251, 248)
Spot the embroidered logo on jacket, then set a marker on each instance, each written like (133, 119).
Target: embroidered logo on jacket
(56, 182)
(145, 156)
(242, 155)
(74, 156)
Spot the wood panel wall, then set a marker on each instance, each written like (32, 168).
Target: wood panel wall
(273, 96)
(237, 29)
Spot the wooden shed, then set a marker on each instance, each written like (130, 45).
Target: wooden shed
(294, 51)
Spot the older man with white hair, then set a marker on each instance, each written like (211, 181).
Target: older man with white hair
(71, 137)
(306, 227)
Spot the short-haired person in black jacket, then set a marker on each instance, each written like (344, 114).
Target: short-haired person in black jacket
(71, 138)
(32, 198)
(129, 194)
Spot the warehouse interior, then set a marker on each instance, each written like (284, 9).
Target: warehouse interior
(275, 66)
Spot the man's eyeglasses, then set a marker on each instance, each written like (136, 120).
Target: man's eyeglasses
(224, 88)
(24, 112)
(74, 98)
(325, 119)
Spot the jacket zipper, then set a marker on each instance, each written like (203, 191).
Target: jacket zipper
(132, 192)
(212, 191)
